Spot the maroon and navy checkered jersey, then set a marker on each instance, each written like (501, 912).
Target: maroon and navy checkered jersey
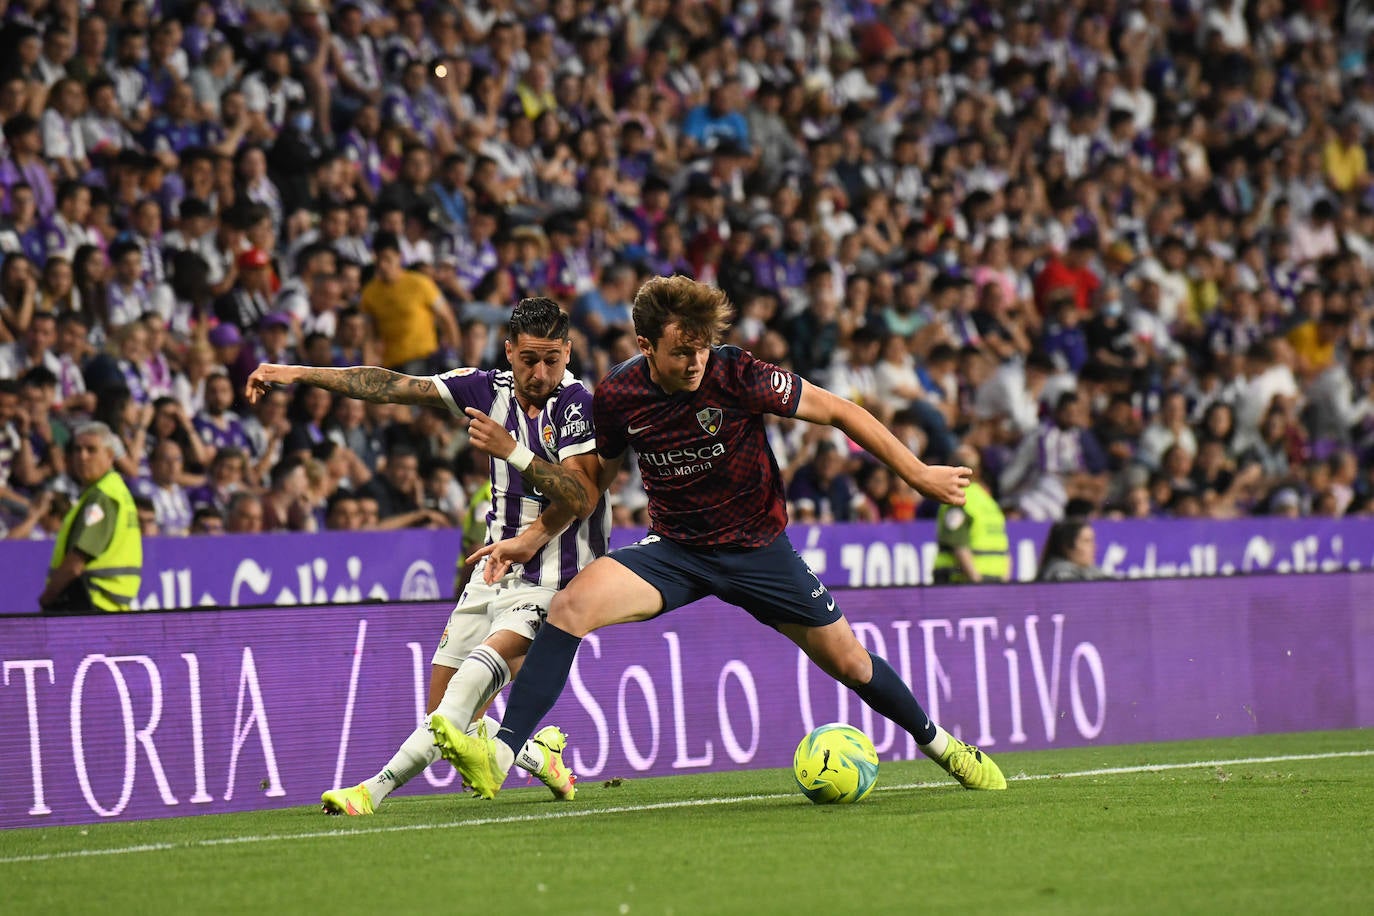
(710, 475)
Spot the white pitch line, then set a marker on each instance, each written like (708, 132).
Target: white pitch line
(656, 806)
(1153, 767)
(84, 853)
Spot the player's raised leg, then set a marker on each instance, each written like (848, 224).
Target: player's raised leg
(775, 585)
(604, 593)
(835, 649)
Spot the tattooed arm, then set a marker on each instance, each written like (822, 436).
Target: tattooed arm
(572, 483)
(568, 483)
(366, 383)
(545, 528)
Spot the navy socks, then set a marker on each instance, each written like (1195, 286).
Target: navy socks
(538, 685)
(889, 696)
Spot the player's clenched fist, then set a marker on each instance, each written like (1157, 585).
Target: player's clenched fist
(264, 377)
(488, 435)
(947, 484)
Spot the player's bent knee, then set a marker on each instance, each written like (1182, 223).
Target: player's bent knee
(852, 668)
(570, 615)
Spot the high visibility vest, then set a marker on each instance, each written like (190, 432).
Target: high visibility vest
(474, 522)
(475, 519)
(987, 537)
(113, 577)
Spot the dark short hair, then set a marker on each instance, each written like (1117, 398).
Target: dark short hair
(940, 353)
(284, 468)
(19, 125)
(342, 496)
(39, 377)
(539, 317)
(205, 512)
(73, 318)
(69, 189)
(228, 453)
(314, 249)
(386, 241)
(119, 249)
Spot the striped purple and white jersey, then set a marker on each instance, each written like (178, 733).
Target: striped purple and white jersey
(561, 430)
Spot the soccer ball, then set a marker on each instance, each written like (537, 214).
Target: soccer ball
(835, 764)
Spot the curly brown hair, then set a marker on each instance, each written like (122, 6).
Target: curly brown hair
(701, 312)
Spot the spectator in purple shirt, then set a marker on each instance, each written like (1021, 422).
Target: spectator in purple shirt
(163, 489)
(227, 476)
(178, 128)
(217, 424)
(822, 491)
(25, 164)
(1061, 461)
(1063, 338)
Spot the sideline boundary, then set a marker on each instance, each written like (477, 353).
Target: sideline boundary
(656, 806)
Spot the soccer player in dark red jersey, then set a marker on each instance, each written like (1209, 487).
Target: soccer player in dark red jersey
(693, 412)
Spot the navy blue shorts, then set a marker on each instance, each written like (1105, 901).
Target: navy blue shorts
(772, 583)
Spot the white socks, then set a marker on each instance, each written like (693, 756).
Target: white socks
(529, 759)
(505, 757)
(481, 676)
(937, 746)
(416, 753)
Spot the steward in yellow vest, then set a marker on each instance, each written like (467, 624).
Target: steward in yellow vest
(973, 537)
(97, 562)
(474, 534)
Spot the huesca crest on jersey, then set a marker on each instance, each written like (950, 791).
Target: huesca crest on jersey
(710, 419)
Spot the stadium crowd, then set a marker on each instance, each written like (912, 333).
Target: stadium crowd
(1124, 249)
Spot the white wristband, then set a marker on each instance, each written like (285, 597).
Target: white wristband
(521, 457)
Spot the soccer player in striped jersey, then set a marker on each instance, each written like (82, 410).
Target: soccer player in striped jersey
(538, 418)
(692, 412)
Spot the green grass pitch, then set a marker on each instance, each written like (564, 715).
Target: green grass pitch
(1252, 825)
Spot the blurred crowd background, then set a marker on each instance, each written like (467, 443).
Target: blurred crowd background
(1123, 250)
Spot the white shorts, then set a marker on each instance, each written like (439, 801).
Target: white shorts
(511, 604)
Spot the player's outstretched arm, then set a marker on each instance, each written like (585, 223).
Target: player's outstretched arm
(571, 483)
(366, 383)
(947, 484)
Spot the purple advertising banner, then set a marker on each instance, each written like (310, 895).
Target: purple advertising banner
(153, 715)
(331, 567)
(903, 553)
(238, 570)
